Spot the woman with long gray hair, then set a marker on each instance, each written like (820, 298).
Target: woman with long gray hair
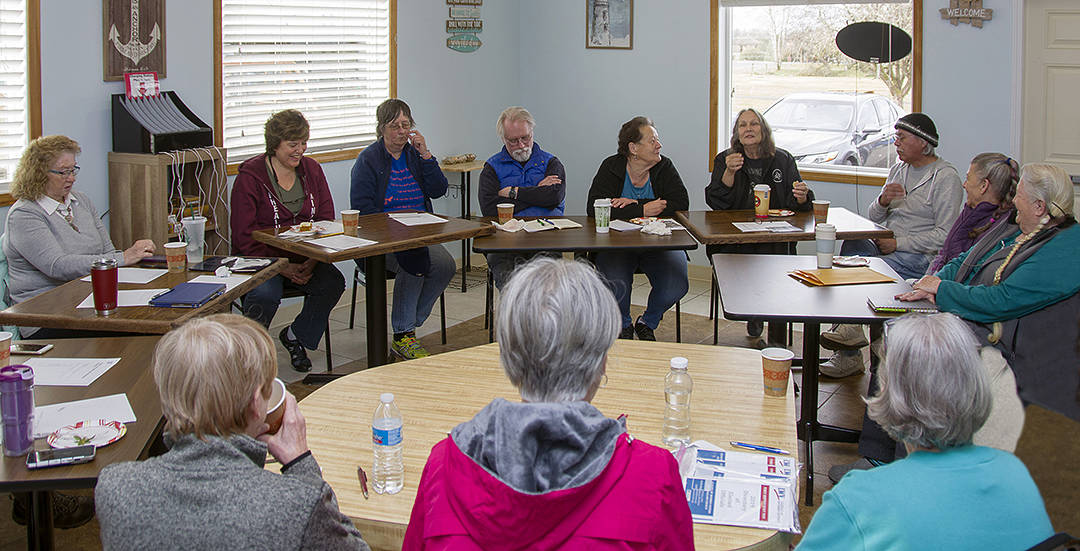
(947, 493)
(551, 471)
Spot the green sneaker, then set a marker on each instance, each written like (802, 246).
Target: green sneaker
(408, 348)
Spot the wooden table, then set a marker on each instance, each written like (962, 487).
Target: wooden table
(57, 307)
(465, 170)
(728, 404)
(133, 376)
(756, 286)
(390, 237)
(583, 239)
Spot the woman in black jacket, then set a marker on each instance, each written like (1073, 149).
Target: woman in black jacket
(641, 182)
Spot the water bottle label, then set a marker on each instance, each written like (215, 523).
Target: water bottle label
(386, 437)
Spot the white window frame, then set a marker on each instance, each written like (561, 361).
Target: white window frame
(25, 61)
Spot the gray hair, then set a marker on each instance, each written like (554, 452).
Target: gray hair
(934, 390)
(1051, 185)
(1001, 171)
(514, 113)
(555, 323)
(928, 150)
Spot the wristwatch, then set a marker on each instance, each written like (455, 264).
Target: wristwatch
(513, 192)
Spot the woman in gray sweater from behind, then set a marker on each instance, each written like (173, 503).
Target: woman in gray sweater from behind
(210, 490)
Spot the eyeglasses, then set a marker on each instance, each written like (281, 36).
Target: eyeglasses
(524, 140)
(73, 171)
(401, 126)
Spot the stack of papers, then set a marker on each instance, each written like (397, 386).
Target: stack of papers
(230, 281)
(342, 242)
(739, 488)
(47, 419)
(623, 225)
(415, 218)
(543, 224)
(126, 297)
(773, 227)
(69, 371)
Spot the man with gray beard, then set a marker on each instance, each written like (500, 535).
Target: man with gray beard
(521, 174)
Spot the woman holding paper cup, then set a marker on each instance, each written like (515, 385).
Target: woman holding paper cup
(277, 189)
(398, 172)
(53, 233)
(550, 471)
(948, 493)
(754, 160)
(640, 181)
(215, 376)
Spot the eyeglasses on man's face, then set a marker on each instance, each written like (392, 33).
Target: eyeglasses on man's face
(73, 171)
(522, 141)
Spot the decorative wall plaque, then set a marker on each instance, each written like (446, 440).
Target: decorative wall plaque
(134, 32)
(464, 25)
(967, 11)
(609, 24)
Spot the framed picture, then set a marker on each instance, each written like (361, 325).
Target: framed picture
(133, 37)
(609, 24)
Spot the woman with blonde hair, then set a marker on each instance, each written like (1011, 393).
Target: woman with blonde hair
(211, 490)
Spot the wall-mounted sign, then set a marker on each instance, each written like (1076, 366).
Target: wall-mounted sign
(134, 37)
(967, 11)
(463, 25)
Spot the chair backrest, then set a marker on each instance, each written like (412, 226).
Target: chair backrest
(5, 296)
(1058, 542)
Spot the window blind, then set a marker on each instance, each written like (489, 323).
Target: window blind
(329, 59)
(748, 3)
(14, 105)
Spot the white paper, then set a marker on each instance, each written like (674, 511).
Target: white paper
(341, 242)
(126, 297)
(229, 281)
(672, 224)
(69, 371)
(623, 225)
(47, 419)
(774, 227)
(416, 218)
(136, 275)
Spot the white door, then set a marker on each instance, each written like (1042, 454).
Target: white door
(1051, 81)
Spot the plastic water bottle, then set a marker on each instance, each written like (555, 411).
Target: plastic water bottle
(389, 471)
(677, 388)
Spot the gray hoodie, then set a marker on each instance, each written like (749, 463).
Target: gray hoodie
(921, 220)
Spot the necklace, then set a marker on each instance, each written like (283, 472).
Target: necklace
(69, 217)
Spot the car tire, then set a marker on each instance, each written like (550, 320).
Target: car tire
(851, 162)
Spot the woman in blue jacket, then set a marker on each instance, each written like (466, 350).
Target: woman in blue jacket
(397, 173)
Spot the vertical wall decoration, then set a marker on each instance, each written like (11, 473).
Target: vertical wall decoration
(134, 32)
(464, 25)
(609, 24)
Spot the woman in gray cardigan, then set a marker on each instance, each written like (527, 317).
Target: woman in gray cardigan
(210, 490)
(53, 234)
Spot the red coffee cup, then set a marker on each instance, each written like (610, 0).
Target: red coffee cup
(103, 276)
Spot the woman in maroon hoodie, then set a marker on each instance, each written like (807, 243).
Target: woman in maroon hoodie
(550, 471)
(276, 189)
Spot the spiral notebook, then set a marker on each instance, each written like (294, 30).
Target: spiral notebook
(900, 307)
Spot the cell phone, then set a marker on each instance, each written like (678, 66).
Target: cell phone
(27, 348)
(38, 459)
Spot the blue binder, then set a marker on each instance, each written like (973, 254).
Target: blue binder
(188, 295)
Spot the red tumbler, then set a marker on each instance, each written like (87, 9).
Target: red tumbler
(103, 275)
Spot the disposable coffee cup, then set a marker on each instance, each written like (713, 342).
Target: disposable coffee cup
(821, 211)
(275, 406)
(825, 237)
(176, 255)
(776, 370)
(602, 214)
(104, 280)
(5, 348)
(17, 409)
(506, 212)
(761, 200)
(350, 220)
(195, 236)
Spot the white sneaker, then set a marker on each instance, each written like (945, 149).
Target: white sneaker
(844, 336)
(842, 365)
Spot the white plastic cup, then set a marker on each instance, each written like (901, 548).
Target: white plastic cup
(825, 237)
(195, 236)
(602, 215)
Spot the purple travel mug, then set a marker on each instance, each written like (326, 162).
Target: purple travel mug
(17, 408)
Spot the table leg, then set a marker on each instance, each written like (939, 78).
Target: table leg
(464, 214)
(376, 310)
(39, 527)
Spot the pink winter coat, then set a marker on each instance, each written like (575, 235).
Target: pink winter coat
(637, 502)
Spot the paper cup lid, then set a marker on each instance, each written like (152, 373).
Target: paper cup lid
(762, 187)
(602, 203)
(505, 205)
(175, 244)
(778, 354)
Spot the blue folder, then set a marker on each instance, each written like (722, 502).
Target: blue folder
(188, 295)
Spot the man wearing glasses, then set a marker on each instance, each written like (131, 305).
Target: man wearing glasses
(521, 174)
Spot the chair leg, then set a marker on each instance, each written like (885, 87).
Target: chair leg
(487, 300)
(329, 357)
(678, 321)
(352, 305)
(712, 300)
(490, 307)
(716, 308)
(442, 315)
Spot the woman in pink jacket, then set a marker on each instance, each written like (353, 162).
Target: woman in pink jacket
(551, 471)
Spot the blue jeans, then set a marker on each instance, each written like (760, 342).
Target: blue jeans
(415, 296)
(908, 265)
(321, 294)
(666, 271)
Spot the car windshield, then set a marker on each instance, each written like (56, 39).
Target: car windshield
(810, 114)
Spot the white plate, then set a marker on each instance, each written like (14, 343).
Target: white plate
(98, 432)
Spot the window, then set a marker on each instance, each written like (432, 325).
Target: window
(19, 119)
(330, 59)
(835, 115)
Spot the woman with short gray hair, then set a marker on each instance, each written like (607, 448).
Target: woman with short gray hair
(949, 493)
(551, 471)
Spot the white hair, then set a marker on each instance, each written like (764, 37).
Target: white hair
(514, 113)
(1051, 185)
(933, 390)
(555, 323)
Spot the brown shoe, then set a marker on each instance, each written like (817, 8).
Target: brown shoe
(68, 511)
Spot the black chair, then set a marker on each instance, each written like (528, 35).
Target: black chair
(360, 279)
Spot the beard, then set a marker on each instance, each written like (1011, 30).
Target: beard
(521, 155)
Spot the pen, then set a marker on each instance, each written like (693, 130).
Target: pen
(759, 448)
(363, 480)
(545, 220)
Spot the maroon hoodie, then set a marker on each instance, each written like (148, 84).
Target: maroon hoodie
(255, 205)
